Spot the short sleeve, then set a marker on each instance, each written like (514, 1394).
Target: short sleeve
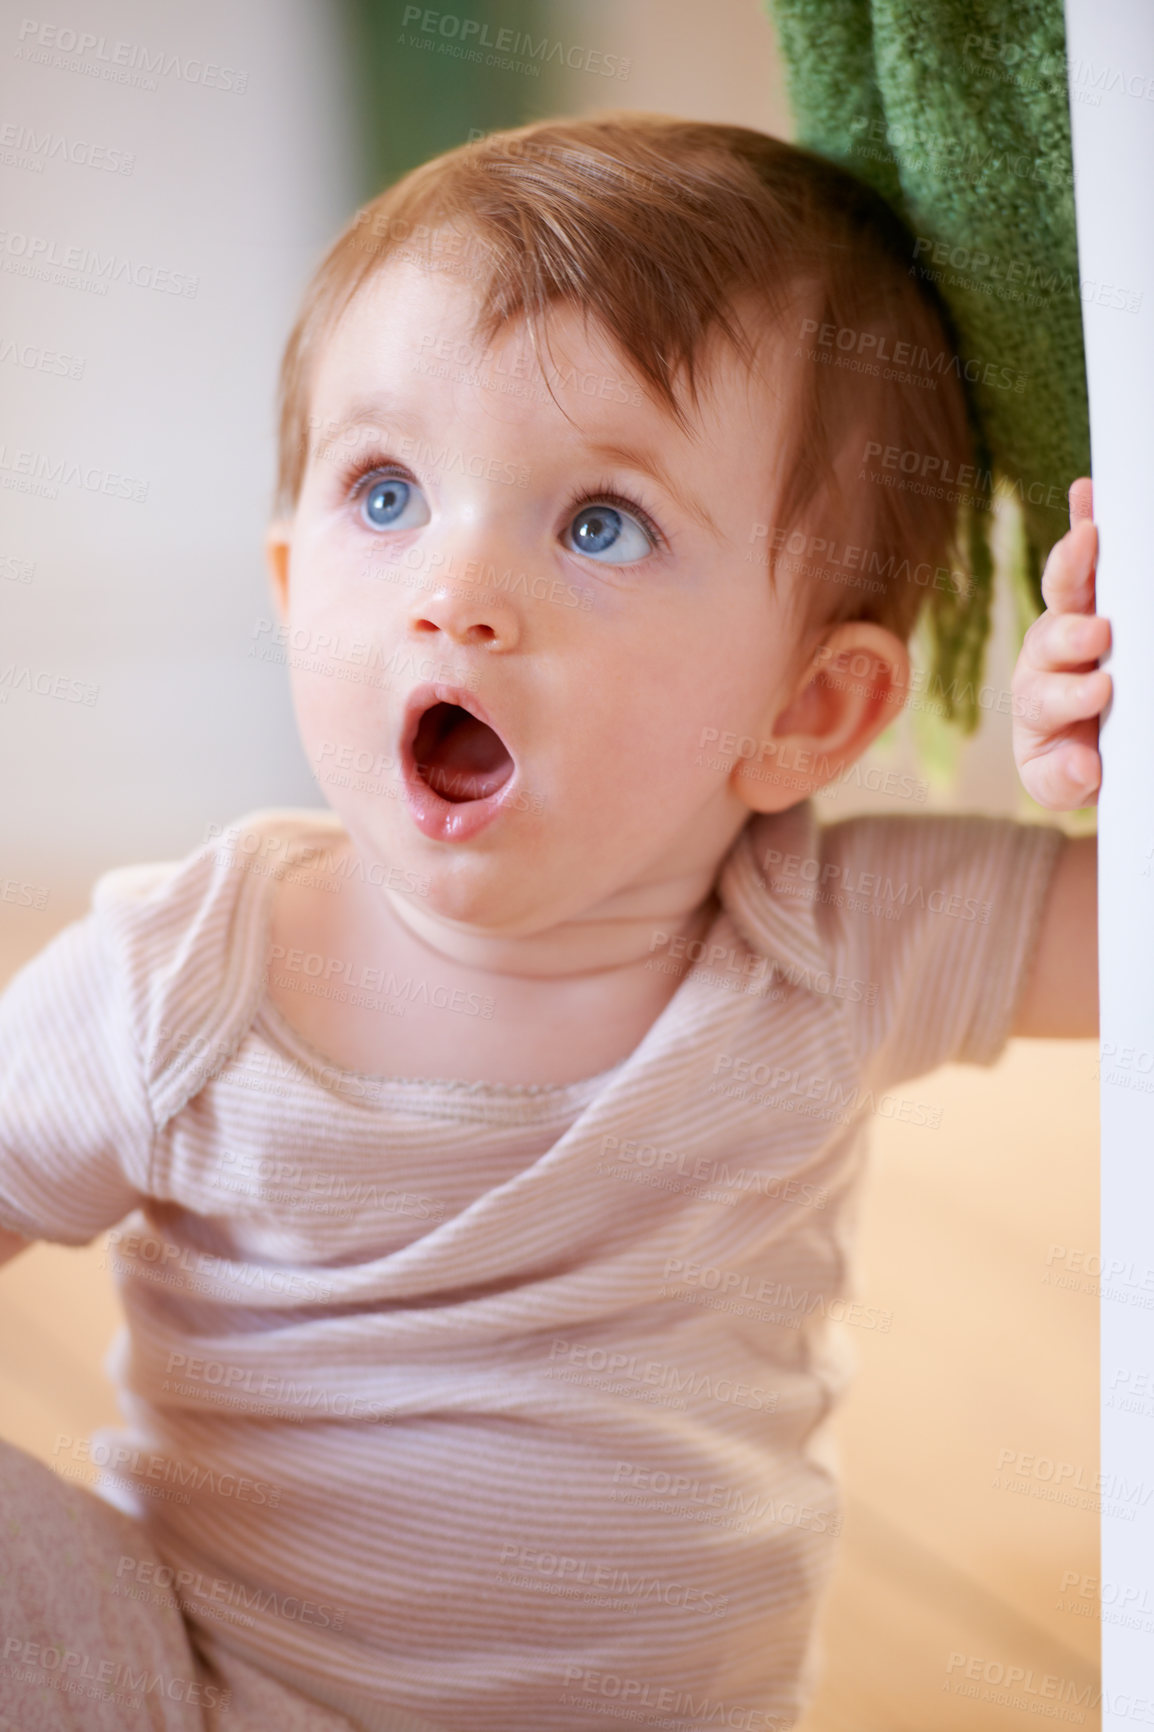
(75, 1125)
(936, 919)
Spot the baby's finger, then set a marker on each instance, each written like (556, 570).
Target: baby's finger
(1068, 580)
(1068, 774)
(1056, 701)
(1081, 497)
(1065, 642)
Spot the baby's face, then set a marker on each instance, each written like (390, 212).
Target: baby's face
(580, 586)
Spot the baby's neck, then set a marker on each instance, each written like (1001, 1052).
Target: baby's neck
(619, 932)
(623, 933)
(550, 1008)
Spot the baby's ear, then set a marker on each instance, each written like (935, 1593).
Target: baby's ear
(277, 543)
(854, 685)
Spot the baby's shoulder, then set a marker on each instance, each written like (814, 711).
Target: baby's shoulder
(806, 890)
(800, 844)
(187, 940)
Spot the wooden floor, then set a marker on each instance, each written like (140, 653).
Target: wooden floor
(959, 1564)
(978, 1405)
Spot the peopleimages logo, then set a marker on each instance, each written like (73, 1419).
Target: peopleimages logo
(468, 35)
(1018, 1686)
(216, 1590)
(526, 1566)
(83, 266)
(105, 1678)
(21, 146)
(70, 50)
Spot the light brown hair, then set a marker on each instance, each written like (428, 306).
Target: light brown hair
(666, 231)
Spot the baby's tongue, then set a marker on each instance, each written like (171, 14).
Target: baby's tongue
(459, 757)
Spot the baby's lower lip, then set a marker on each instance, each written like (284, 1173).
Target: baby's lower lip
(451, 820)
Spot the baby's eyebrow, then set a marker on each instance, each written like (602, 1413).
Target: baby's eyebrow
(376, 410)
(631, 457)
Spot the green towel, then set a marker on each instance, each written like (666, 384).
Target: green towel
(957, 111)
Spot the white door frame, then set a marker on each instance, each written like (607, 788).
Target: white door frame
(1110, 45)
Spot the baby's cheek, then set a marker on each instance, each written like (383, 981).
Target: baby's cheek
(338, 706)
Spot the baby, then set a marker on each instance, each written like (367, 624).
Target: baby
(480, 1155)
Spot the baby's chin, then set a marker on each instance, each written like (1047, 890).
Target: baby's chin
(497, 897)
(484, 899)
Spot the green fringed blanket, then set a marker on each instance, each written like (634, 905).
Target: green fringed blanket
(957, 111)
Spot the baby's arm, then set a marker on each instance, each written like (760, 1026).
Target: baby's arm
(1059, 694)
(76, 1126)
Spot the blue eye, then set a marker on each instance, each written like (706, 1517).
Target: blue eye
(390, 503)
(614, 537)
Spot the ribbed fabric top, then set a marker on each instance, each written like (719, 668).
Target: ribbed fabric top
(502, 1405)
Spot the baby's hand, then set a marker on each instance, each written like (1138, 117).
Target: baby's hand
(1058, 692)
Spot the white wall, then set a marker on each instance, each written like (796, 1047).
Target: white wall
(152, 601)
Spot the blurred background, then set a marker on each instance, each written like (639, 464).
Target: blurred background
(150, 268)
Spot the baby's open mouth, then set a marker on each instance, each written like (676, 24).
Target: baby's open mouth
(459, 757)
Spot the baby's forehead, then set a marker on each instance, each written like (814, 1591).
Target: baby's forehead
(416, 322)
(437, 313)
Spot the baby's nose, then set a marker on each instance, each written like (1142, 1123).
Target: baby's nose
(469, 606)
